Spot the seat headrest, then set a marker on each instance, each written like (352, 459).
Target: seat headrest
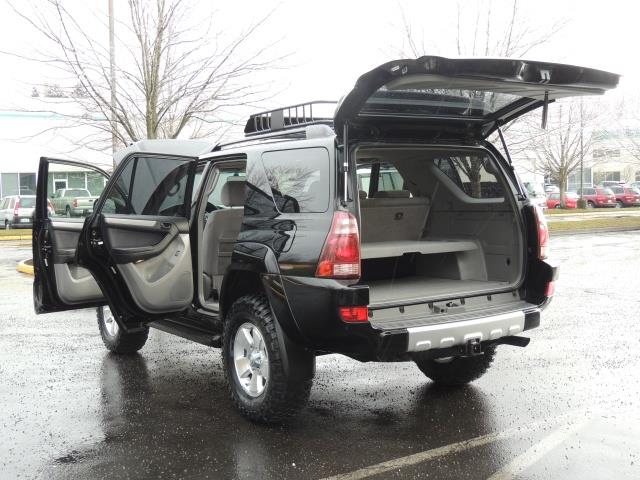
(393, 194)
(232, 194)
(362, 194)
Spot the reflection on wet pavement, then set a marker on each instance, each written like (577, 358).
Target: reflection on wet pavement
(72, 410)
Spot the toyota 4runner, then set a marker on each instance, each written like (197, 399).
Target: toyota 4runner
(388, 230)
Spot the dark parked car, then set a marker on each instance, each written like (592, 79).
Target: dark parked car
(626, 196)
(599, 197)
(274, 250)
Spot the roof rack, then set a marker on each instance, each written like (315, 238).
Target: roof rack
(293, 116)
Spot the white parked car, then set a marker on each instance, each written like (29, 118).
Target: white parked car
(16, 211)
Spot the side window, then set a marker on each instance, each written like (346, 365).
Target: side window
(224, 176)
(155, 186)
(299, 179)
(473, 174)
(84, 186)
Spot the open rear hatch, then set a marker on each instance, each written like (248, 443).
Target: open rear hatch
(444, 97)
(442, 233)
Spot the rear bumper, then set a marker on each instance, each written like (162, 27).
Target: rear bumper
(314, 307)
(22, 221)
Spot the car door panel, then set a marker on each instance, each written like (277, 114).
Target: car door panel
(153, 255)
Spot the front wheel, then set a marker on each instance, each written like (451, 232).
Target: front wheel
(7, 225)
(590, 205)
(114, 338)
(455, 371)
(254, 364)
(619, 204)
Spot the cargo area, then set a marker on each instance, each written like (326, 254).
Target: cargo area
(436, 224)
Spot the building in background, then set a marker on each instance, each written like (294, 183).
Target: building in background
(27, 136)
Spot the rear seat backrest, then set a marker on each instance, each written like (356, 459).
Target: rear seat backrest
(393, 217)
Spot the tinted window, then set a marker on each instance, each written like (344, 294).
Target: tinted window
(472, 173)
(617, 189)
(150, 186)
(554, 196)
(299, 179)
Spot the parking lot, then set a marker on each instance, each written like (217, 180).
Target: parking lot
(567, 406)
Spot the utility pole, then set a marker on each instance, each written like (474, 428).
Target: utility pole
(582, 203)
(112, 81)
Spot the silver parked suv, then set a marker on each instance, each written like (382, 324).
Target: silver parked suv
(16, 211)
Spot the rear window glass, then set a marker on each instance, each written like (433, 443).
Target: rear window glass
(75, 192)
(299, 179)
(472, 174)
(436, 101)
(27, 202)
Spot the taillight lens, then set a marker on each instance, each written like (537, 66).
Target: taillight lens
(543, 233)
(75, 203)
(354, 314)
(340, 256)
(549, 290)
(16, 208)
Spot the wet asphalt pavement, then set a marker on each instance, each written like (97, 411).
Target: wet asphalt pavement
(567, 406)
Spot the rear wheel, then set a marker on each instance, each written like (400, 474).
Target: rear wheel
(67, 211)
(455, 370)
(619, 204)
(557, 206)
(260, 387)
(114, 338)
(590, 204)
(7, 225)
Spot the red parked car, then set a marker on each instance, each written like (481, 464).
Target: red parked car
(599, 197)
(570, 200)
(626, 196)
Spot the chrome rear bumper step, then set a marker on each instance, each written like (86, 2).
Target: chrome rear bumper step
(445, 335)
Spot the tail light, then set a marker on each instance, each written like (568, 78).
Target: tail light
(49, 205)
(543, 233)
(340, 257)
(75, 203)
(16, 208)
(354, 314)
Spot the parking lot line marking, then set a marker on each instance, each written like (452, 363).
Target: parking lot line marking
(427, 455)
(537, 451)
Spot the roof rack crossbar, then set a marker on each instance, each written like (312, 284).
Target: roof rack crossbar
(293, 116)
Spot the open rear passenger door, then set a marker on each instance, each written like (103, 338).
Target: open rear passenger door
(137, 245)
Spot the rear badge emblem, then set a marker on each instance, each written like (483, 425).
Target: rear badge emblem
(399, 216)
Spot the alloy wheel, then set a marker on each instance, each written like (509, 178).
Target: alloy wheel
(110, 324)
(251, 359)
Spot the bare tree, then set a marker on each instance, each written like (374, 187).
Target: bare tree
(478, 33)
(559, 150)
(174, 77)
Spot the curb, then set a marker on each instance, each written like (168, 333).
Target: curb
(14, 237)
(25, 266)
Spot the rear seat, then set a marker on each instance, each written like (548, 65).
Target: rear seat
(393, 216)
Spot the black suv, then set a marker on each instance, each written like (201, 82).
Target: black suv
(388, 230)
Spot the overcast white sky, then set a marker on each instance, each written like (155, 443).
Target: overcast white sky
(332, 42)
